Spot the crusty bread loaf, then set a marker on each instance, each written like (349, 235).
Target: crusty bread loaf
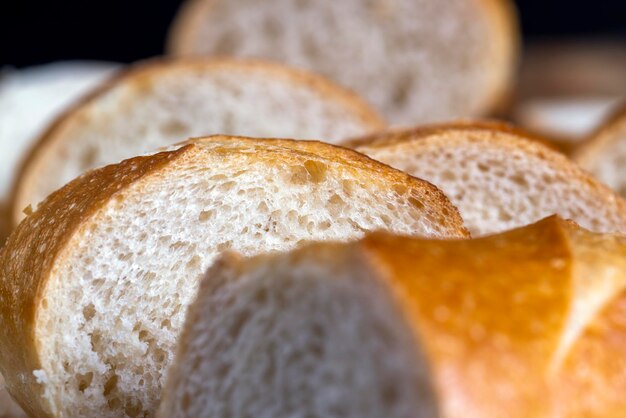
(499, 177)
(94, 285)
(29, 99)
(416, 60)
(603, 153)
(156, 103)
(404, 327)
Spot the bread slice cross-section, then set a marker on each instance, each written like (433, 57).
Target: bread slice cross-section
(157, 103)
(94, 285)
(402, 327)
(499, 177)
(417, 61)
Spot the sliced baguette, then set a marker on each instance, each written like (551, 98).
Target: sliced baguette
(400, 327)
(94, 285)
(415, 60)
(499, 177)
(603, 153)
(156, 103)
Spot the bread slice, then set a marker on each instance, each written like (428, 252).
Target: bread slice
(603, 153)
(398, 327)
(94, 285)
(415, 60)
(499, 177)
(156, 103)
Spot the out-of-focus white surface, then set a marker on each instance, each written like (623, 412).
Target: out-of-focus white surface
(31, 98)
(565, 118)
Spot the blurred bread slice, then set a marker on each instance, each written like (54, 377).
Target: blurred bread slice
(107, 265)
(499, 177)
(30, 99)
(157, 103)
(604, 152)
(415, 60)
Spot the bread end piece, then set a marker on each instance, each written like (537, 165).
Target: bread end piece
(448, 323)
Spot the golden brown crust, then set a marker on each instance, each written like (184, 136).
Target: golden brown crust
(613, 129)
(592, 380)
(485, 326)
(145, 73)
(42, 240)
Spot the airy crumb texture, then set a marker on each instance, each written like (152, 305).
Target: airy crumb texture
(310, 336)
(405, 327)
(157, 103)
(498, 177)
(604, 152)
(415, 60)
(109, 263)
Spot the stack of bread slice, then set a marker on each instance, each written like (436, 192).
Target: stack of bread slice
(94, 285)
(466, 269)
(157, 103)
(528, 323)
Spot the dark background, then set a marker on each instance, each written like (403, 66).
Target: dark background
(39, 31)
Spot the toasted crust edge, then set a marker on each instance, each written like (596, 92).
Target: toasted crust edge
(135, 73)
